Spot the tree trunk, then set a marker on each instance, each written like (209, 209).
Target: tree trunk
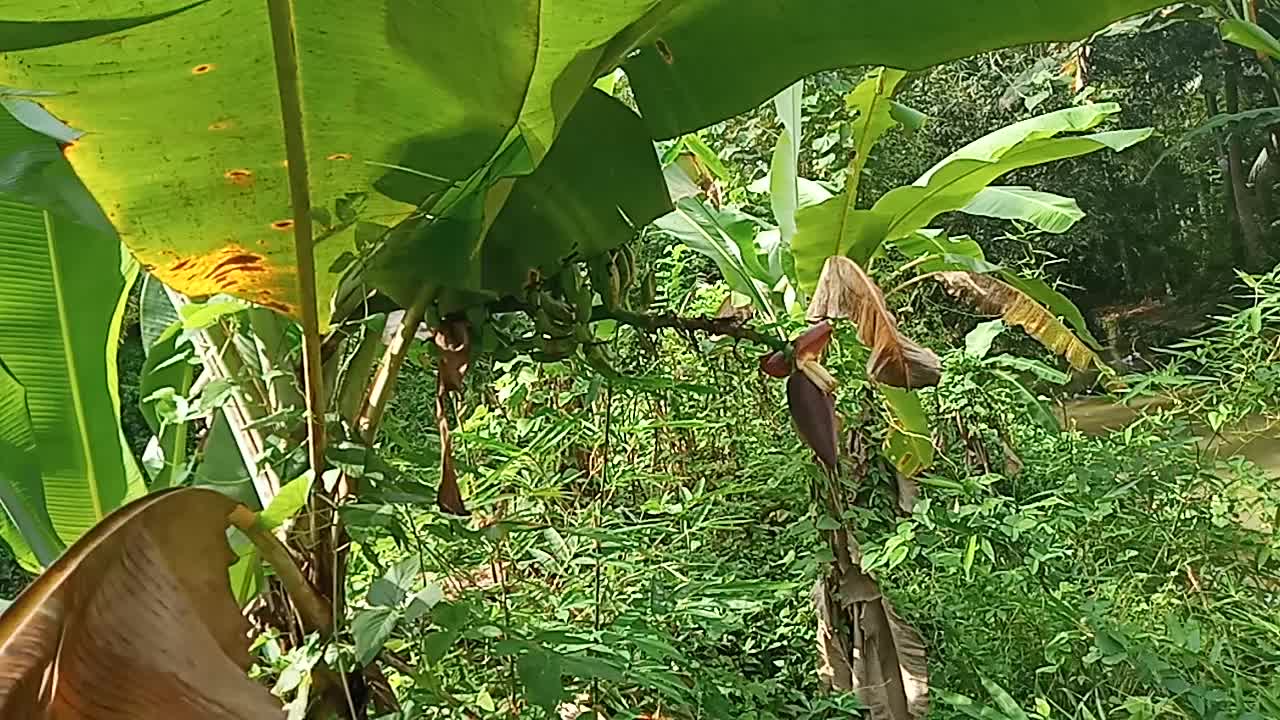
(1254, 254)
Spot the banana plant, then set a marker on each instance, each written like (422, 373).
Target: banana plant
(448, 160)
(814, 225)
(62, 293)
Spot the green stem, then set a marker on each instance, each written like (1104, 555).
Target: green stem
(284, 47)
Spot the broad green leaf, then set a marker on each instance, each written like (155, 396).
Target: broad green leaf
(908, 444)
(155, 312)
(687, 55)
(166, 366)
(1048, 212)
(63, 285)
(32, 33)
(978, 342)
(1251, 35)
(578, 200)
(393, 102)
(784, 192)
(291, 498)
(220, 465)
(836, 225)
(709, 232)
(371, 629)
(394, 586)
(809, 192)
(25, 523)
(952, 184)
(998, 143)
(933, 250)
(540, 673)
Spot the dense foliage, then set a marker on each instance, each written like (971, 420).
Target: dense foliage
(694, 359)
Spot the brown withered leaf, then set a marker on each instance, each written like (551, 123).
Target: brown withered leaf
(814, 413)
(454, 341)
(890, 667)
(135, 622)
(865, 647)
(455, 357)
(992, 296)
(845, 291)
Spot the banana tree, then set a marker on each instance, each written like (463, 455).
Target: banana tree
(765, 262)
(457, 164)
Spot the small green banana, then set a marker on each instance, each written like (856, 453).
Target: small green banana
(648, 290)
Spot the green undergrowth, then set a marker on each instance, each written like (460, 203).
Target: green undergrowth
(647, 544)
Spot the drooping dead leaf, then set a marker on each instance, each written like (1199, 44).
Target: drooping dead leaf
(992, 296)
(845, 291)
(865, 647)
(814, 413)
(908, 492)
(891, 669)
(455, 357)
(135, 622)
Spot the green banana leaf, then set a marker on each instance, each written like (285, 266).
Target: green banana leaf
(393, 104)
(729, 239)
(63, 285)
(25, 522)
(1046, 211)
(698, 62)
(829, 227)
(166, 366)
(951, 185)
(184, 144)
(909, 443)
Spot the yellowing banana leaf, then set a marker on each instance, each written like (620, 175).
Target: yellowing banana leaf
(63, 284)
(184, 141)
(909, 443)
(992, 296)
(135, 622)
(845, 291)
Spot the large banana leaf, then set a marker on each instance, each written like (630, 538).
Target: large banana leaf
(391, 103)
(824, 229)
(25, 522)
(63, 284)
(597, 186)
(952, 184)
(184, 143)
(701, 61)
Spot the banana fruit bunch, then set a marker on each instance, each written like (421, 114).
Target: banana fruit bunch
(615, 277)
(561, 306)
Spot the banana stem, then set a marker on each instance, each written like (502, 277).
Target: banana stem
(311, 606)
